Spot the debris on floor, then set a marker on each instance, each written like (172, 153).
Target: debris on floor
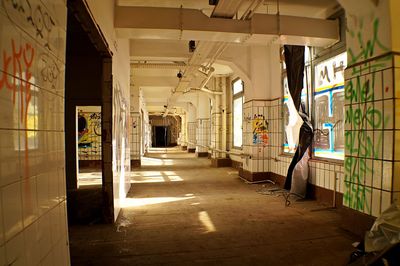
(381, 245)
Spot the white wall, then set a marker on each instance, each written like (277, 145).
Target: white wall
(33, 220)
(103, 13)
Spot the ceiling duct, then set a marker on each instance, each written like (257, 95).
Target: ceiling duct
(226, 8)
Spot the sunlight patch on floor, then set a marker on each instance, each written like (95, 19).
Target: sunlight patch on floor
(89, 179)
(155, 177)
(156, 161)
(205, 219)
(139, 202)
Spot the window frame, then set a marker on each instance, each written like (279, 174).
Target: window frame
(234, 97)
(326, 55)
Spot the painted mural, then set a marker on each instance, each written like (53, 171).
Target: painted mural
(89, 134)
(260, 129)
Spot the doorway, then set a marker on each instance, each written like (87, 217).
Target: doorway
(88, 73)
(160, 135)
(89, 145)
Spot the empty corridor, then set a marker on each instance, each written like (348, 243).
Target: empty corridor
(180, 211)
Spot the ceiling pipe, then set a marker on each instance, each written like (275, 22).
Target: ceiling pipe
(158, 65)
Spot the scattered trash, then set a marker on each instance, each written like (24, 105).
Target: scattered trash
(381, 245)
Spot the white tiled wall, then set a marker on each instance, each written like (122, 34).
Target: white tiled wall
(191, 130)
(371, 168)
(33, 226)
(270, 157)
(257, 161)
(203, 135)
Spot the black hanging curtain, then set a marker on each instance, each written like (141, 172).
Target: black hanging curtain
(294, 59)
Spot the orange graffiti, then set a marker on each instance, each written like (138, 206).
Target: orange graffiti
(18, 67)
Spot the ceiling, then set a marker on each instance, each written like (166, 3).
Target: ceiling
(156, 62)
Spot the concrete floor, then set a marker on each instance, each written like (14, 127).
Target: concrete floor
(180, 211)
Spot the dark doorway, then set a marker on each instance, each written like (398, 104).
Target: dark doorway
(87, 74)
(161, 136)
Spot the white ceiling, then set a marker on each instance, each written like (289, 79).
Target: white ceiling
(157, 83)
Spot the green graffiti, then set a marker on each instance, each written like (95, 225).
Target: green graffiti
(359, 143)
(368, 47)
(355, 195)
(361, 91)
(359, 117)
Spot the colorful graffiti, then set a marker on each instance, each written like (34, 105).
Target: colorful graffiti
(260, 129)
(89, 135)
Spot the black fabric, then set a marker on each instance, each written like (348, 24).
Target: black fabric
(305, 139)
(294, 60)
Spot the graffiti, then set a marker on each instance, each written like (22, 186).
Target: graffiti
(367, 47)
(362, 117)
(260, 130)
(89, 135)
(361, 91)
(329, 104)
(16, 77)
(18, 64)
(363, 143)
(49, 71)
(33, 17)
(356, 194)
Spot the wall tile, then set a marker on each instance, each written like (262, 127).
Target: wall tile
(386, 200)
(12, 209)
(44, 235)
(388, 83)
(378, 91)
(9, 157)
(388, 114)
(387, 176)
(32, 249)
(376, 202)
(15, 251)
(396, 176)
(42, 182)
(29, 201)
(2, 239)
(2, 255)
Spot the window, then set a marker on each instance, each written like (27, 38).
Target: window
(292, 120)
(237, 87)
(329, 107)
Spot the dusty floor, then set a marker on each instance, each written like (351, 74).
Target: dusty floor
(180, 211)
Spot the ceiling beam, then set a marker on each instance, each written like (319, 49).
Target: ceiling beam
(192, 24)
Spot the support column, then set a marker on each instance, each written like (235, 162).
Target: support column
(256, 114)
(191, 128)
(372, 105)
(218, 126)
(203, 125)
(183, 133)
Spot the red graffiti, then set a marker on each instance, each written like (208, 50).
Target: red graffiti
(15, 77)
(18, 64)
